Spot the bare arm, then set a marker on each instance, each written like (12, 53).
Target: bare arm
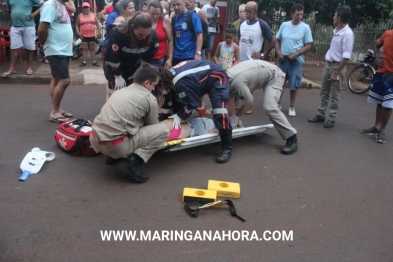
(377, 53)
(202, 15)
(277, 46)
(169, 35)
(98, 25)
(71, 6)
(103, 14)
(237, 55)
(77, 28)
(343, 63)
(35, 13)
(305, 48)
(43, 29)
(199, 46)
(270, 46)
(217, 54)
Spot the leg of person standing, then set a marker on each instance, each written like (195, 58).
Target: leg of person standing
(16, 44)
(295, 81)
(92, 46)
(28, 38)
(60, 81)
(85, 50)
(325, 95)
(219, 98)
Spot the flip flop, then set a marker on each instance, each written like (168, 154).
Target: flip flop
(249, 112)
(6, 74)
(58, 120)
(29, 72)
(67, 114)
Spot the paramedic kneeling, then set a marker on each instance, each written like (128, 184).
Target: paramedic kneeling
(127, 127)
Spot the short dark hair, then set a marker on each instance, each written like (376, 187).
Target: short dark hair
(146, 72)
(155, 4)
(344, 12)
(296, 7)
(230, 29)
(144, 3)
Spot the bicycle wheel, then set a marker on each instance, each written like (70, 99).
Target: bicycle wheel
(360, 79)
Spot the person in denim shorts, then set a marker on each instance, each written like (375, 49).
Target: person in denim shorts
(294, 39)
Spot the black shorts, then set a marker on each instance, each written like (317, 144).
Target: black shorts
(59, 65)
(88, 39)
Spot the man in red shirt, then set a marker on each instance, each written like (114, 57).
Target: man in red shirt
(381, 91)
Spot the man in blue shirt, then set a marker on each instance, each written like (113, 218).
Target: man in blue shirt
(187, 44)
(22, 32)
(294, 39)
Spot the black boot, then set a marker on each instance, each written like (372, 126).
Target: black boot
(291, 146)
(109, 160)
(130, 167)
(226, 143)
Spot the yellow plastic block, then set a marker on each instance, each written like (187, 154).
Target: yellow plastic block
(225, 189)
(202, 196)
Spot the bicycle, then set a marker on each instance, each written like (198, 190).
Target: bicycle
(359, 80)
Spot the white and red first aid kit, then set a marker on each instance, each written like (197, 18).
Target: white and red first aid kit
(73, 137)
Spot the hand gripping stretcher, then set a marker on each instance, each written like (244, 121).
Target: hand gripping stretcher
(184, 143)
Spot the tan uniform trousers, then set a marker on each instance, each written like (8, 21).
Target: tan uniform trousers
(271, 95)
(145, 143)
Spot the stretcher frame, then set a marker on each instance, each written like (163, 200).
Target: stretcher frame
(214, 137)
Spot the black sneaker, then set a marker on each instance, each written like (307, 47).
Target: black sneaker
(95, 64)
(380, 138)
(329, 124)
(82, 64)
(291, 146)
(130, 166)
(372, 131)
(316, 119)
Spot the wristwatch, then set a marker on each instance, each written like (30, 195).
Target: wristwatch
(199, 52)
(262, 56)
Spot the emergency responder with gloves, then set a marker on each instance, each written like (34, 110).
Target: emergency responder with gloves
(193, 79)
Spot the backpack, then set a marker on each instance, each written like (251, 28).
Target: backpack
(205, 28)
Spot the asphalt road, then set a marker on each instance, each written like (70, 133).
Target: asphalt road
(335, 194)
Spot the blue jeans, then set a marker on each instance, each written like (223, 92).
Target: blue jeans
(158, 62)
(211, 41)
(293, 72)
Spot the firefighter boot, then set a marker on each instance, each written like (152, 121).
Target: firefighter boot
(226, 143)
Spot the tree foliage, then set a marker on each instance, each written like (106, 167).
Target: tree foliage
(363, 11)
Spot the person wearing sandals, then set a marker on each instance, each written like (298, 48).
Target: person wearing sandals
(86, 24)
(22, 32)
(381, 90)
(55, 34)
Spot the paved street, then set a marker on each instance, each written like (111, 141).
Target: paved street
(335, 193)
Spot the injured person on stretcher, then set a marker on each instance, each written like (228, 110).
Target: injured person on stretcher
(195, 127)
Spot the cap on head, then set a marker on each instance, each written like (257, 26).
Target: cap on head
(85, 4)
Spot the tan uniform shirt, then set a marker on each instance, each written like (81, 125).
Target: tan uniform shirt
(125, 112)
(250, 75)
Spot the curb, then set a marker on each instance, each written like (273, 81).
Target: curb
(38, 79)
(90, 77)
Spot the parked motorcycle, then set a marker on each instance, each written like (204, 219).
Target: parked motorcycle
(77, 49)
